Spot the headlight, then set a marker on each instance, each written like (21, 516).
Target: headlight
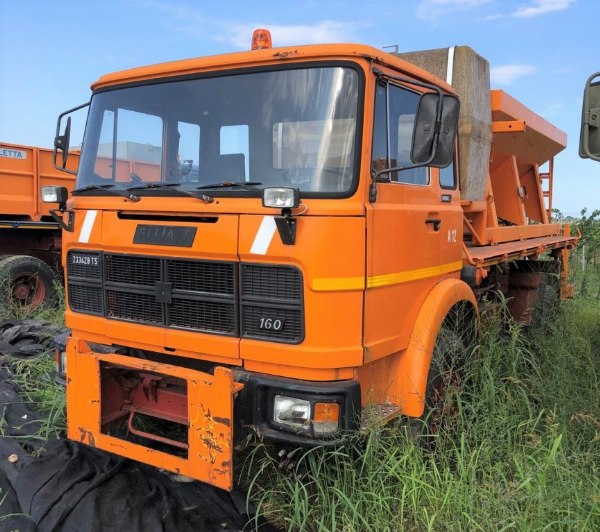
(306, 415)
(292, 412)
(281, 197)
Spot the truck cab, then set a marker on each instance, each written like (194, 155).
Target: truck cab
(264, 242)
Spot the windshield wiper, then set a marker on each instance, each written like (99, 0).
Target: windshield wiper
(230, 184)
(153, 184)
(106, 188)
(162, 186)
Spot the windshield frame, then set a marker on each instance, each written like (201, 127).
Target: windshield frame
(236, 192)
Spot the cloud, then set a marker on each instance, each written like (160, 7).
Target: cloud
(193, 23)
(541, 7)
(506, 74)
(433, 9)
(492, 17)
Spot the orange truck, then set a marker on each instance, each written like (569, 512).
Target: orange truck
(30, 238)
(275, 241)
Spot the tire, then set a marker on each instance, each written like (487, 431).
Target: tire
(547, 304)
(454, 346)
(26, 283)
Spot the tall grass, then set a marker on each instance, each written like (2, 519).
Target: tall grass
(524, 454)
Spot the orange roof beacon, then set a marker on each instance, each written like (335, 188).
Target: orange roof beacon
(277, 241)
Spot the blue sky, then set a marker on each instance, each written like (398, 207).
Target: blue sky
(540, 51)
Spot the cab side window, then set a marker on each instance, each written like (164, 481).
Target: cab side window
(448, 177)
(395, 110)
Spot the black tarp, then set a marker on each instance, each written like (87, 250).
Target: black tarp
(64, 485)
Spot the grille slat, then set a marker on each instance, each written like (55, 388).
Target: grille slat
(197, 276)
(132, 270)
(86, 299)
(133, 307)
(292, 322)
(203, 315)
(271, 282)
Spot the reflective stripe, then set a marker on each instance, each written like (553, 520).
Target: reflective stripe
(450, 68)
(333, 284)
(88, 225)
(263, 237)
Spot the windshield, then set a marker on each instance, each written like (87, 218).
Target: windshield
(293, 127)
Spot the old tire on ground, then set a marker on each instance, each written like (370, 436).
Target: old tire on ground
(26, 283)
(454, 346)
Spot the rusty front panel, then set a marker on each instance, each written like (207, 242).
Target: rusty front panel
(209, 405)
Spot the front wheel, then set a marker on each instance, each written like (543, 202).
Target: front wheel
(454, 346)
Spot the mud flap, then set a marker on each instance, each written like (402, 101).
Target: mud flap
(209, 414)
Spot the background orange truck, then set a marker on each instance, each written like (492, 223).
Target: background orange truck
(276, 241)
(30, 239)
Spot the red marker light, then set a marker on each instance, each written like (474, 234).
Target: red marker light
(261, 39)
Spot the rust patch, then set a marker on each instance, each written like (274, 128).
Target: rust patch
(212, 445)
(283, 55)
(223, 420)
(91, 441)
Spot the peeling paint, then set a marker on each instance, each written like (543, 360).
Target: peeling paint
(87, 434)
(223, 420)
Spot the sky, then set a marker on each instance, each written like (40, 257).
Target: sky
(540, 51)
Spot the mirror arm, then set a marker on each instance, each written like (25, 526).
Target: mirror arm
(61, 141)
(376, 173)
(57, 215)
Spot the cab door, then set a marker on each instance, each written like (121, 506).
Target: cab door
(408, 247)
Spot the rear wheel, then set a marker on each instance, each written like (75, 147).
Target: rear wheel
(26, 283)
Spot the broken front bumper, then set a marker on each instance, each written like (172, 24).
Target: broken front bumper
(105, 391)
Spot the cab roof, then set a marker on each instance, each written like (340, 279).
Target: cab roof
(265, 57)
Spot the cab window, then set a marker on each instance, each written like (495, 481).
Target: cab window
(395, 110)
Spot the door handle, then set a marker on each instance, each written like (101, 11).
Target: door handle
(435, 221)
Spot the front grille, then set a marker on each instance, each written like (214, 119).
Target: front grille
(217, 297)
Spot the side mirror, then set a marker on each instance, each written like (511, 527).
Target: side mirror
(589, 140)
(426, 148)
(63, 142)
